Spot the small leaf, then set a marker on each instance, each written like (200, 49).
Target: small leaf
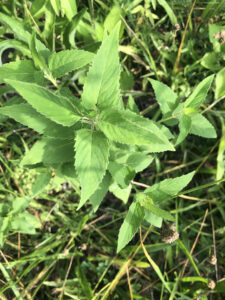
(41, 182)
(25, 223)
(167, 188)
(69, 7)
(130, 225)
(122, 194)
(19, 205)
(101, 86)
(199, 94)
(221, 156)
(56, 6)
(58, 109)
(165, 96)
(66, 61)
(129, 128)
(220, 84)
(169, 11)
(184, 127)
(100, 193)
(91, 161)
(28, 116)
(210, 61)
(202, 127)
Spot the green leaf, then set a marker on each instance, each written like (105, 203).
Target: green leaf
(121, 174)
(100, 193)
(129, 128)
(18, 28)
(131, 105)
(56, 6)
(153, 219)
(112, 18)
(201, 126)
(25, 223)
(184, 127)
(165, 96)
(26, 115)
(66, 61)
(101, 86)
(49, 151)
(23, 70)
(146, 202)
(41, 182)
(220, 84)
(122, 194)
(69, 7)
(130, 225)
(91, 161)
(58, 109)
(13, 44)
(167, 188)
(199, 94)
(221, 156)
(169, 11)
(19, 205)
(210, 61)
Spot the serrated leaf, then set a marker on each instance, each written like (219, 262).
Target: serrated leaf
(184, 127)
(57, 109)
(101, 86)
(91, 161)
(100, 193)
(129, 128)
(41, 182)
(164, 95)
(199, 94)
(220, 84)
(66, 61)
(49, 151)
(130, 225)
(23, 70)
(28, 116)
(202, 127)
(167, 188)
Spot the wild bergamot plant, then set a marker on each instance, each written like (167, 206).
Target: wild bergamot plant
(94, 141)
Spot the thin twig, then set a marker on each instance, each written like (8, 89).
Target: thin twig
(128, 280)
(67, 274)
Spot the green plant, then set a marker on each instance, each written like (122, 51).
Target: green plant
(96, 140)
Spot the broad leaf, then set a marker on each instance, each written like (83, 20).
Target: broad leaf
(220, 84)
(25, 223)
(129, 128)
(184, 127)
(201, 126)
(101, 86)
(28, 116)
(91, 161)
(66, 61)
(199, 94)
(58, 109)
(167, 188)
(49, 151)
(23, 70)
(164, 95)
(130, 225)
(100, 193)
